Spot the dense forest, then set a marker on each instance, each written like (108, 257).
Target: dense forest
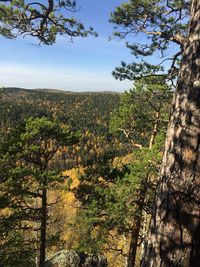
(113, 178)
(110, 145)
(88, 113)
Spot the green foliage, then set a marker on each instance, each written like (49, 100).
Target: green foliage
(17, 251)
(152, 16)
(105, 189)
(111, 203)
(126, 191)
(136, 71)
(16, 247)
(88, 113)
(114, 192)
(91, 237)
(140, 109)
(25, 174)
(41, 20)
(163, 22)
(39, 139)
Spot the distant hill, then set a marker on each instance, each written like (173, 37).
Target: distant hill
(87, 112)
(18, 104)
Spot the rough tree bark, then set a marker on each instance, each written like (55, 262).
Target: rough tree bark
(174, 237)
(43, 228)
(133, 246)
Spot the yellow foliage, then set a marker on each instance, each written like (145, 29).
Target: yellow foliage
(119, 162)
(5, 212)
(74, 174)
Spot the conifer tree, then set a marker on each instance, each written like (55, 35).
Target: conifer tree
(174, 231)
(44, 20)
(143, 116)
(26, 156)
(115, 194)
(143, 111)
(163, 28)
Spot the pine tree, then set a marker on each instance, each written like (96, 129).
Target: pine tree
(143, 116)
(43, 20)
(143, 111)
(162, 26)
(28, 178)
(174, 231)
(115, 194)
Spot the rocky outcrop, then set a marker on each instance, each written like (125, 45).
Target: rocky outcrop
(66, 258)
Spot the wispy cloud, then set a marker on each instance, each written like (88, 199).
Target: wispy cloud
(95, 45)
(85, 64)
(28, 76)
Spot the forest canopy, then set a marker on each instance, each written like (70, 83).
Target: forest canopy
(125, 202)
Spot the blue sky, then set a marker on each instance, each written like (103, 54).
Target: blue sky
(84, 65)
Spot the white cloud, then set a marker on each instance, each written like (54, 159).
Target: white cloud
(28, 76)
(99, 47)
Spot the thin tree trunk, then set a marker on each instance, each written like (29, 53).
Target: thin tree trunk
(137, 225)
(143, 190)
(155, 130)
(174, 237)
(43, 227)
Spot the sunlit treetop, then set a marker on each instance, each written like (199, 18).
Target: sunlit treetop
(42, 19)
(162, 22)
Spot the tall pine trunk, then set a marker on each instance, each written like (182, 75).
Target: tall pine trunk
(174, 237)
(133, 247)
(43, 228)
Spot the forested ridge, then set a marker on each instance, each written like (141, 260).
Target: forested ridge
(61, 105)
(103, 177)
(111, 178)
(86, 112)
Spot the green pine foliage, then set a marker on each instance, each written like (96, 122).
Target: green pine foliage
(25, 180)
(140, 109)
(88, 113)
(42, 20)
(114, 194)
(109, 193)
(163, 23)
(112, 204)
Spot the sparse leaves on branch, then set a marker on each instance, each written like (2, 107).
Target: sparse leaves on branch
(44, 20)
(159, 24)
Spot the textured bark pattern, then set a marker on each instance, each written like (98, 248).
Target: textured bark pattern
(137, 225)
(43, 226)
(174, 238)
